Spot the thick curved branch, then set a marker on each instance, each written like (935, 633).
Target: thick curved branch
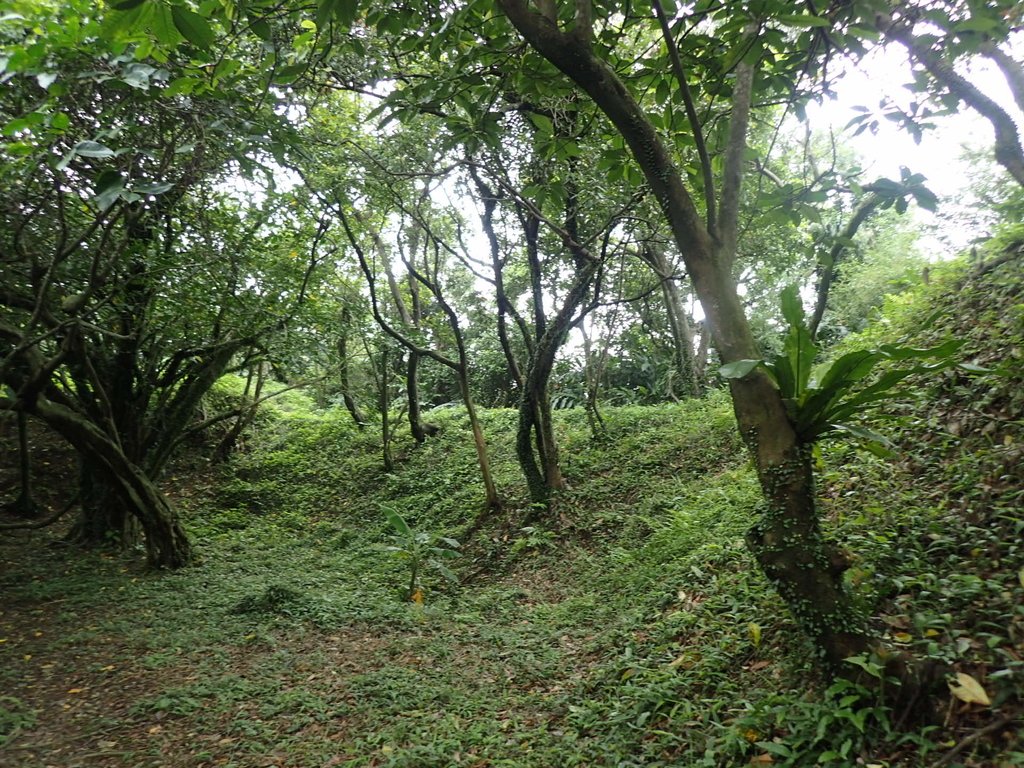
(1008, 151)
(1011, 69)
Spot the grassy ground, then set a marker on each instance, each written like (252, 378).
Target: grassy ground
(629, 628)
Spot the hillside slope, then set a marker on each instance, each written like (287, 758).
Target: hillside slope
(628, 628)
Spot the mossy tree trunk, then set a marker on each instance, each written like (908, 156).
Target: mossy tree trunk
(124, 486)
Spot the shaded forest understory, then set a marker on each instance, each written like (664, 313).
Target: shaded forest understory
(629, 627)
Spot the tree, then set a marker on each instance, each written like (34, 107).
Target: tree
(787, 541)
(128, 279)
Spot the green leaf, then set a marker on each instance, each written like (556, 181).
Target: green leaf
(92, 149)
(109, 187)
(542, 122)
(871, 440)
(261, 29)
(793, 367)
(444, 570)
(163, 27)
(849, 368)
(345, 11)
(152, 188)
(288, 73)
(940, 352)
(977, 24)
(193, 27)
(792, 306)
(974, 368)
(398, 522)
(126, 5)
(804, 21)
(738, 369)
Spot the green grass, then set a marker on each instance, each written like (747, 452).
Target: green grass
(630, 627)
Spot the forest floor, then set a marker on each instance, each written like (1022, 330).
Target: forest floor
(628, 628)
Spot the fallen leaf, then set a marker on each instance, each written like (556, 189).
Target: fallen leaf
(75, 690)
(902, 637)
(969, 690)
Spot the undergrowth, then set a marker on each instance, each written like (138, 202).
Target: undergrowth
(629, 627)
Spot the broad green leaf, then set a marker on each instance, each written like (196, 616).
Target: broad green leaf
(164, 28)
(261, 29)
(874, 442)
(849, 368)
(738, 369)
(193, 27)
(444, 570)
(288, 74)
(793, 367)
(792, 306)
(944, 350)
(152, 188)
(92, 149)
(974, 368)
(398, 522)
(109, 187)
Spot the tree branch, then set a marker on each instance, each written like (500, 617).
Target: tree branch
(691, 115)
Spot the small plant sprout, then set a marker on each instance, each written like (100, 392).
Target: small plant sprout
(423, 550)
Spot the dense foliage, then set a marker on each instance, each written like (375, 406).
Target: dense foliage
(411, 210)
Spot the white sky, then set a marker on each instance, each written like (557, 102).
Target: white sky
(938, 156)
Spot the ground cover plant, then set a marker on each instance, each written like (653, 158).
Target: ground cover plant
(630, 628)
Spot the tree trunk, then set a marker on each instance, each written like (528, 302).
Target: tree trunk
(167, 545)
(539, 491)
(246, 413)
(787, 540)
(479, 442)
(691, 376)
(683, 338)
(103, 519)
(420, 429)
(24, 505)
(385, 404)
(346, 385)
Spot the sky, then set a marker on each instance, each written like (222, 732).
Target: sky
(938, 156)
